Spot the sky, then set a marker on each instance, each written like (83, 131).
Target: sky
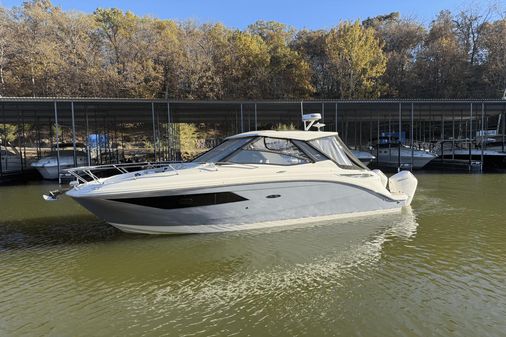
(310, 14)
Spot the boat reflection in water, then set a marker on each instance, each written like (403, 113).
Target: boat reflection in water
(257, 266)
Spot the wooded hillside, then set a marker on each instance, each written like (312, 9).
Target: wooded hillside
(45, 51)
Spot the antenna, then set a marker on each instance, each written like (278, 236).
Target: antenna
(310, 120)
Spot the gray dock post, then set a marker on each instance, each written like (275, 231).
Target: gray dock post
(88, 153)
(482, 130)
(154, 130)
(377, 140)
(400, 132)
(242, 120)
(336, 118)
(169, 156)
(470, 134)
(503, 131)
(57, 140)
(73, 132)
(412, 139)
(323, 112)
(3, 120)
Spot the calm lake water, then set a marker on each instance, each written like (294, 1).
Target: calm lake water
(437, 270)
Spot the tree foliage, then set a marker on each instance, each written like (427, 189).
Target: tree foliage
(356, 60)
(45, 51)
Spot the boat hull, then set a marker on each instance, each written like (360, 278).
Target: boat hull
(202, 229)
(257, 205)
(363, 156)
(393, 161)
(50, 172)
(48, 167)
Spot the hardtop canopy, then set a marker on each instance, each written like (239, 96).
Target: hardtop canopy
(297, 135)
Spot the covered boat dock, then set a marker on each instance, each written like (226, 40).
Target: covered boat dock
(130, 130)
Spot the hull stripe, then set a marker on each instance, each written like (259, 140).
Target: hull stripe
(185, 200)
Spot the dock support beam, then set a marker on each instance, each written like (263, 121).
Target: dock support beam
(336, 117)
(412, 137)
(323, 112)
(57, 140)
(154, 129)
(470, 134)
(400, 137)
(73, 132)
(169, 153)
(1, 166)
(482, 131)
(242, 120)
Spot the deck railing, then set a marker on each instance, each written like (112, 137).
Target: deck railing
(86, 174)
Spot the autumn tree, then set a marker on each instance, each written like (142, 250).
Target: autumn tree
(402, 40)
(6, 49)
(246, 65)
(167, 55)
(356, 59)
(440, 65)
(129, 43)
(289, 73)
(311, 45)
(494, 46)
(45, 51)
(37, 63)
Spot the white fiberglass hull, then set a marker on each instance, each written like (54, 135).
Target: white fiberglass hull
(50, 172)
(261, 182)
(254, 206)
(363, 156)
(48, 166)
(202, 229)
(390, 157)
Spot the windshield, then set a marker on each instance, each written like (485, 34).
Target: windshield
(274, 151)
(334, 148)
(221, 151)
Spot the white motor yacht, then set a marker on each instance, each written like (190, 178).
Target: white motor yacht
(48, 165)
(364, 156)
(388, 152)
(252, 180)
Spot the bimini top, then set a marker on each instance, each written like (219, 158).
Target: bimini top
(297, 135)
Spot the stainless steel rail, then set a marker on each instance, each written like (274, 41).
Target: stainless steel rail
(80, 173)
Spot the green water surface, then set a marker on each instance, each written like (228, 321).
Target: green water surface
(438, 269)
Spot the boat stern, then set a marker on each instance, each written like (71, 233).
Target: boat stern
(405, 183)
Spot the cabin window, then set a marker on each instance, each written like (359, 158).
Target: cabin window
(265, 150)
(221, 151)
(310, 151)
(334, 148)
